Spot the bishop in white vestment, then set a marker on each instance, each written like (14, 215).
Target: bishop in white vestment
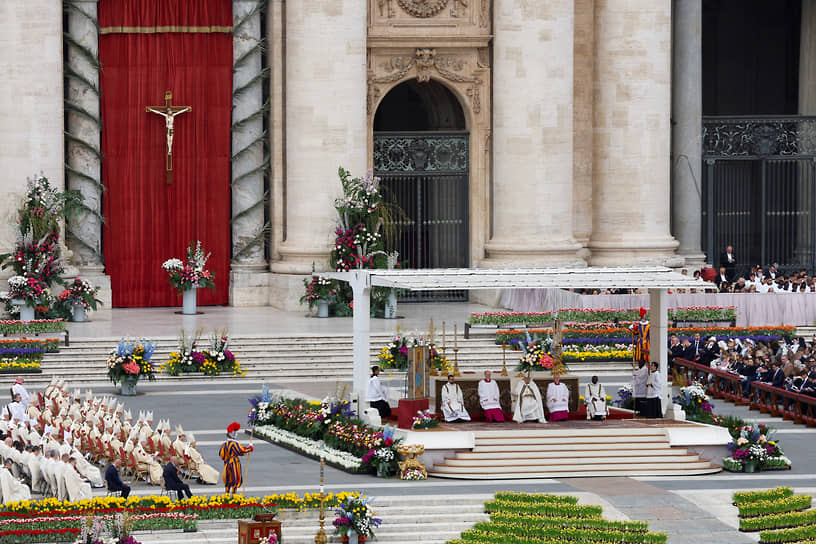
(489, 399)
(13, 490)
(75, 486)
(529, 406)
(595, 399)
(453, 403)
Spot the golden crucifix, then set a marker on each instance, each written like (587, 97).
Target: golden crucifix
(169, 112)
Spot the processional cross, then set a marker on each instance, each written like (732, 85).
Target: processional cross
(169, 112)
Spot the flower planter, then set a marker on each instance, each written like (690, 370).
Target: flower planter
(322, 308)
(750, 466)
(129, 386)
(390, 311)
(26, 312)
(353, 538)
(189, 301)
(79, 313)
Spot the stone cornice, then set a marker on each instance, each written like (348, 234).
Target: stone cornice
(393, 42)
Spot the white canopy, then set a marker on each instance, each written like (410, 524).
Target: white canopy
(656, 279)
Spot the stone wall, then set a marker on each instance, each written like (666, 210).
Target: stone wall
(31, 113)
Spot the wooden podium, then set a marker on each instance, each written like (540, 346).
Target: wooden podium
(251, 532)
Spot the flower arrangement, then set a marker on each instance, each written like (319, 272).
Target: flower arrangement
(31, 290)
(189, 359)
(696, 403)
(573, 316)
(625, 398)
(317, 289)
(130, 359)
(219, 358)
(356, 514)
(192, 274)
(424, 420)
(80, 292)
(395, 354)
(413, 474)
(537, 353)
(754, 448)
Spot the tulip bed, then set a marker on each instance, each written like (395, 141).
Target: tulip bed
(691, 313)
(10, 327)
(520, 518)
(778, 514)
(51, 520)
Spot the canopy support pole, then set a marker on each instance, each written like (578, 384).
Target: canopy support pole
(361, 287)
(658, 340)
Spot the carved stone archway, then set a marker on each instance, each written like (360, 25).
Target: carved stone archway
(466, 72)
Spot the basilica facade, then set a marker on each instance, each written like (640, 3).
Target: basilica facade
(512, 133)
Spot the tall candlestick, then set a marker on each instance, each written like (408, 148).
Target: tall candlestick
(455, 340)
(443, 335)
(430, 332)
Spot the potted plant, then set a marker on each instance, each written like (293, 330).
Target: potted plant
(189, 276)
(26, 293)
(355, 521)
(129, 361)
(80, 296)
(320, 293)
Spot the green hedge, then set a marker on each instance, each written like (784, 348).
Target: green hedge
(778, 506)
(778, 521)
(582, 523)
(573, 534)
(544, 508)
(796, 534)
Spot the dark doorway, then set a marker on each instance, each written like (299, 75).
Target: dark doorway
(421, 154)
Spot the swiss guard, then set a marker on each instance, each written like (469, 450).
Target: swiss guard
(640, 338)
(230, 452)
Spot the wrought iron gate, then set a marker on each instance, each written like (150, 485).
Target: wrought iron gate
(759, 190)
(425, 174)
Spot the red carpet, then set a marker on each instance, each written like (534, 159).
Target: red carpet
(579, 415)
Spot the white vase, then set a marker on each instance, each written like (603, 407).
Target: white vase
(26, 311)
(322, 308)
(352, 537)
(129, 386)
(189, 301)
(391, 306)
(79, 313)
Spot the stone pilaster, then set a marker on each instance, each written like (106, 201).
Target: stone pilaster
(325, 105)
(249, 272)
(583, 69)
(631, 134)
(807, 106)
(533, 135)
(687, 112)
(807, 60)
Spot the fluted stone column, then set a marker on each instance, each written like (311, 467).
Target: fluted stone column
(631, 136)
(325, 123)
(249, 272)
(583, 69)
(687, 113)
(807, 106)
(532, 135)
(84, 158)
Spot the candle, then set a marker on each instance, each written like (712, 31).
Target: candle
(443, 334)
(455, 340)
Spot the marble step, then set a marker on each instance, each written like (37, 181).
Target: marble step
(589, 471)
(628, 453)
(510, 463)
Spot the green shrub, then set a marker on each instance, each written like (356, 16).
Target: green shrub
(796, 534)
(777, 506)
(741, 497)
(776, 521)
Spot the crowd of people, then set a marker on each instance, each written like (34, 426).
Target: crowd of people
(787, 364)
(55, 444)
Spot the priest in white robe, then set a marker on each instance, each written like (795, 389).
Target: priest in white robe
(489, 399)
(640, 373)
(206, 473)
(13, 490)
(557, 399)
(453, 403)
(595, 400)
(654, 393)
(76, 488)
(528, 406)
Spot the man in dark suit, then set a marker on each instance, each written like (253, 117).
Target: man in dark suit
(172, 482)
(776, 376)
(729, 261)
(113, 480)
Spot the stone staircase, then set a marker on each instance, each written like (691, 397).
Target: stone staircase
(563, 452)
(406, 519)
(283, 358)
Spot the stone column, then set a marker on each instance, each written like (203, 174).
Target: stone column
(325, 111)
(249, 274)
(532, 135)
(806, 170)
(687, 117)
(631, 138)
(807, 59)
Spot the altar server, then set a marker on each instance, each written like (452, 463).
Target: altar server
(529, 406)
(557, 399)
(377, 393)
(595, 399)
(453, 404)
(489, 399)
(230, 452)
(654, 392)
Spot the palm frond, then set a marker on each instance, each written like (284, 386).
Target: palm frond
(259, 140)
(79, 110)
(82, 143)
(255, 116)
(259, 47)
(68, 5)
(70, 73)
(262, 202)
(260, 169)
(89, 55)
(259, 7)
(259, 237)
(259, 77)
(82, 175)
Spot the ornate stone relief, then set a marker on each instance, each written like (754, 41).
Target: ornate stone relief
(424, 8)
(425, 61)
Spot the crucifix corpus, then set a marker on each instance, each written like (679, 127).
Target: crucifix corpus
(169, 112)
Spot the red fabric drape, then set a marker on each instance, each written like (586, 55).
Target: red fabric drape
(146, 220)
(147, 13)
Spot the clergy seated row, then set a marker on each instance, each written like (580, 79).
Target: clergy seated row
(527, 402)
